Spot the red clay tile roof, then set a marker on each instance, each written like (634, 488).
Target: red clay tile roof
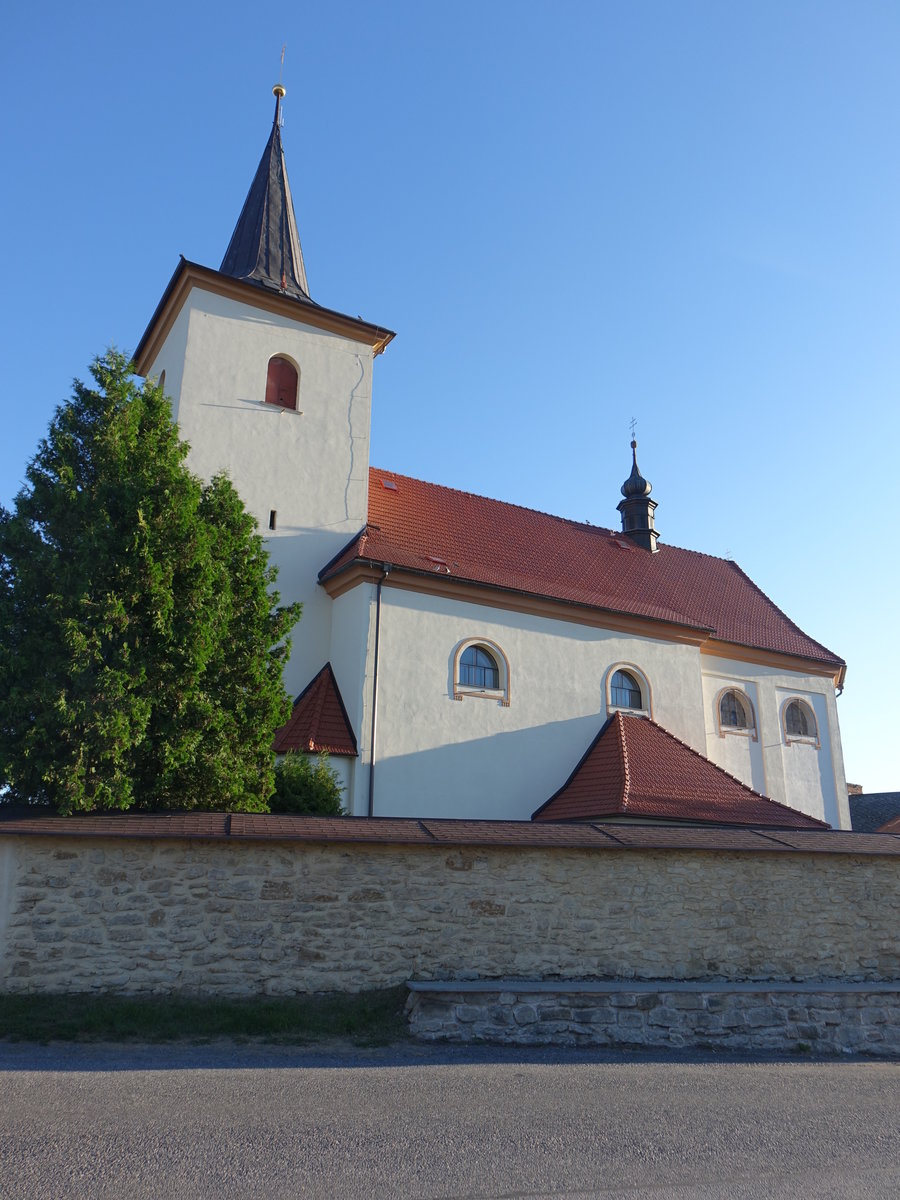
(437, 530)
(319, 720)
(635, 768)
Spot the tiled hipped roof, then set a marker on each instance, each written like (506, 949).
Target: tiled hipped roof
(635, 768)
(443, 532)
(319, 721)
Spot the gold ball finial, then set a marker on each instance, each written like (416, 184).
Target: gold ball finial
(278, 90)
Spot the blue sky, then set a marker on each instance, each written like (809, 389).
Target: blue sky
(572, 215)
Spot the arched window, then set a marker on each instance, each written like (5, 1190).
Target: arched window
(799, 722)
(627, 689)
(282, 382)
(735, 712)
(480, 668)
(162, 380)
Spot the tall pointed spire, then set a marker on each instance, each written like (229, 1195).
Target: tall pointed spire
(265, 246)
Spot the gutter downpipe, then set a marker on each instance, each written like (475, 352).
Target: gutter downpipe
(387, 571)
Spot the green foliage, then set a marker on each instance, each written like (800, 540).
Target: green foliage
(141, 647)
(308, 785)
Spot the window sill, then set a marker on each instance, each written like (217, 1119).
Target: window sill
(279, 408)
(729, 731)
(497, 694)
(611, 709)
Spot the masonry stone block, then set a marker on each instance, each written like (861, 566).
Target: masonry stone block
(525, 1014)
(469, 1012)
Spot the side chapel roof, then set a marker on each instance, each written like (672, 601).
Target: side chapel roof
(635, 768)
(319, 720)
(433, 530)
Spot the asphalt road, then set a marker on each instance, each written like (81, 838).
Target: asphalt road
(414, 1122)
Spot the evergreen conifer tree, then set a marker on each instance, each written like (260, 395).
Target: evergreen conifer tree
(141, 643)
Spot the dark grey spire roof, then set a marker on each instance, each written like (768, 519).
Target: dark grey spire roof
(265, 246)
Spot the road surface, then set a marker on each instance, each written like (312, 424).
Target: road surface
(222, 1121)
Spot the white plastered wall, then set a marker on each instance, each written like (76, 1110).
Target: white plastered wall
(171, 359)
(310, 466)
(804, 776)
(475, 758)
(352, 639)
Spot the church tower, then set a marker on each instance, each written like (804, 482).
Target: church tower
(275, 391)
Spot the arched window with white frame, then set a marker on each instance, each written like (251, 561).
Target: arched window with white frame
(799, 721)
(480, 668)
(734, 710)
(627, 690)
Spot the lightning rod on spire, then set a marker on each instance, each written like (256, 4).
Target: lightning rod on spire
(278, 91)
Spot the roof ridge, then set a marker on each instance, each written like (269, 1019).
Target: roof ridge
(721, 770)
(445, 487)
(662, 783)
(626, 766)
(495, 543)
(614, 533)
(304, 731)
(318, 702)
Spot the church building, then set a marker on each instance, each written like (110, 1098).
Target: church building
(458, 656)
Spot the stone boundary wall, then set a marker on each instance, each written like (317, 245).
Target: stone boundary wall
(782, 1018)
(347, 906)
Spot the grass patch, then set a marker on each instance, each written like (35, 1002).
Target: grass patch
(372, 1018)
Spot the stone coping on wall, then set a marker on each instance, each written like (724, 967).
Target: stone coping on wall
(591, 835)
(607, 987)
(645, 987)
